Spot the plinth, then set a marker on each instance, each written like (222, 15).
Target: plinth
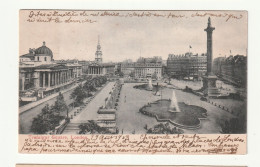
(209, 86)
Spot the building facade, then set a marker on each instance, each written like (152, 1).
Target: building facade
(40, 75)
(232, 69)
(146, 70)
(127, 68)
(187, 65)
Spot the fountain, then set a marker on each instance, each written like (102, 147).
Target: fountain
(174, 107)
(180, 114)
(150, 85)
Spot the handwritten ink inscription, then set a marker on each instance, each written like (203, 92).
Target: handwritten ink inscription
(134, 144)
(60, 16)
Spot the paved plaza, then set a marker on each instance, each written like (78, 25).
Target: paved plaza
(129, 119)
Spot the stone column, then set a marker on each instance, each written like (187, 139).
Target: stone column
(61, 77)
(36, 79)
(43, 79)
(58, 77)
(54, 79)
(209, 31)
(49, 79)
(65, 76)
(23, 80)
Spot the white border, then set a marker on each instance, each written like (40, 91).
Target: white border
(9, 13)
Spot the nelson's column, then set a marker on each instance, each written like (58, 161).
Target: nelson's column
(209, 80)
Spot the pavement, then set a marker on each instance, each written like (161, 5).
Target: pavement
(129, 119)
(36, 103)
(90, 111)
(26, 117)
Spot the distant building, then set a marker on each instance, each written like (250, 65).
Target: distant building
(39, 74)
(84, 65)
(144, 70)
(187, 66)
(127, 68)
(77, 68)
(97, 67)
(232, 69)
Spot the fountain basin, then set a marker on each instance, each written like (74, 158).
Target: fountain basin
(188, 118)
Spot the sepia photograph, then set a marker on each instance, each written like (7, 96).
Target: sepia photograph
(132, 72)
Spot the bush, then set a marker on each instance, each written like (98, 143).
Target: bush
(234, 126)
(93, 128)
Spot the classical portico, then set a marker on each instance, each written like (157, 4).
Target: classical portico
(51, 78)
(95, 69)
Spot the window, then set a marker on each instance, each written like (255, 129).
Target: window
(45, 58)
(38, 58)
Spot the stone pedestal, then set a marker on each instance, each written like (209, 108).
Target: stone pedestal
(209, 86)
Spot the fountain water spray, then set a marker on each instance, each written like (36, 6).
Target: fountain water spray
(150, 86)
(174, 107)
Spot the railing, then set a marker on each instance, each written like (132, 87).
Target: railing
(59, 129)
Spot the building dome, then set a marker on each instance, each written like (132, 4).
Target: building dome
(43, 50)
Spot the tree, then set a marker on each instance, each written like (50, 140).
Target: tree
(163, 129)
(234, 126)
(154, 76)
(93, 128)
(78, 95)
(39, 125)
(88, 86)
(46, 121)
(60, 104)
(132, 74)
(121, 74)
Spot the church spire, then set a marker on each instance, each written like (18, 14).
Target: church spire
(98, 54)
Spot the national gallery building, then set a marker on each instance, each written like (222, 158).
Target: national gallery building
(40, 75)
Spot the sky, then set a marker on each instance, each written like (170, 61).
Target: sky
(128, 37)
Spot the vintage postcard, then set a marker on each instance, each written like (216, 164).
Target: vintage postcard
(133, 82)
